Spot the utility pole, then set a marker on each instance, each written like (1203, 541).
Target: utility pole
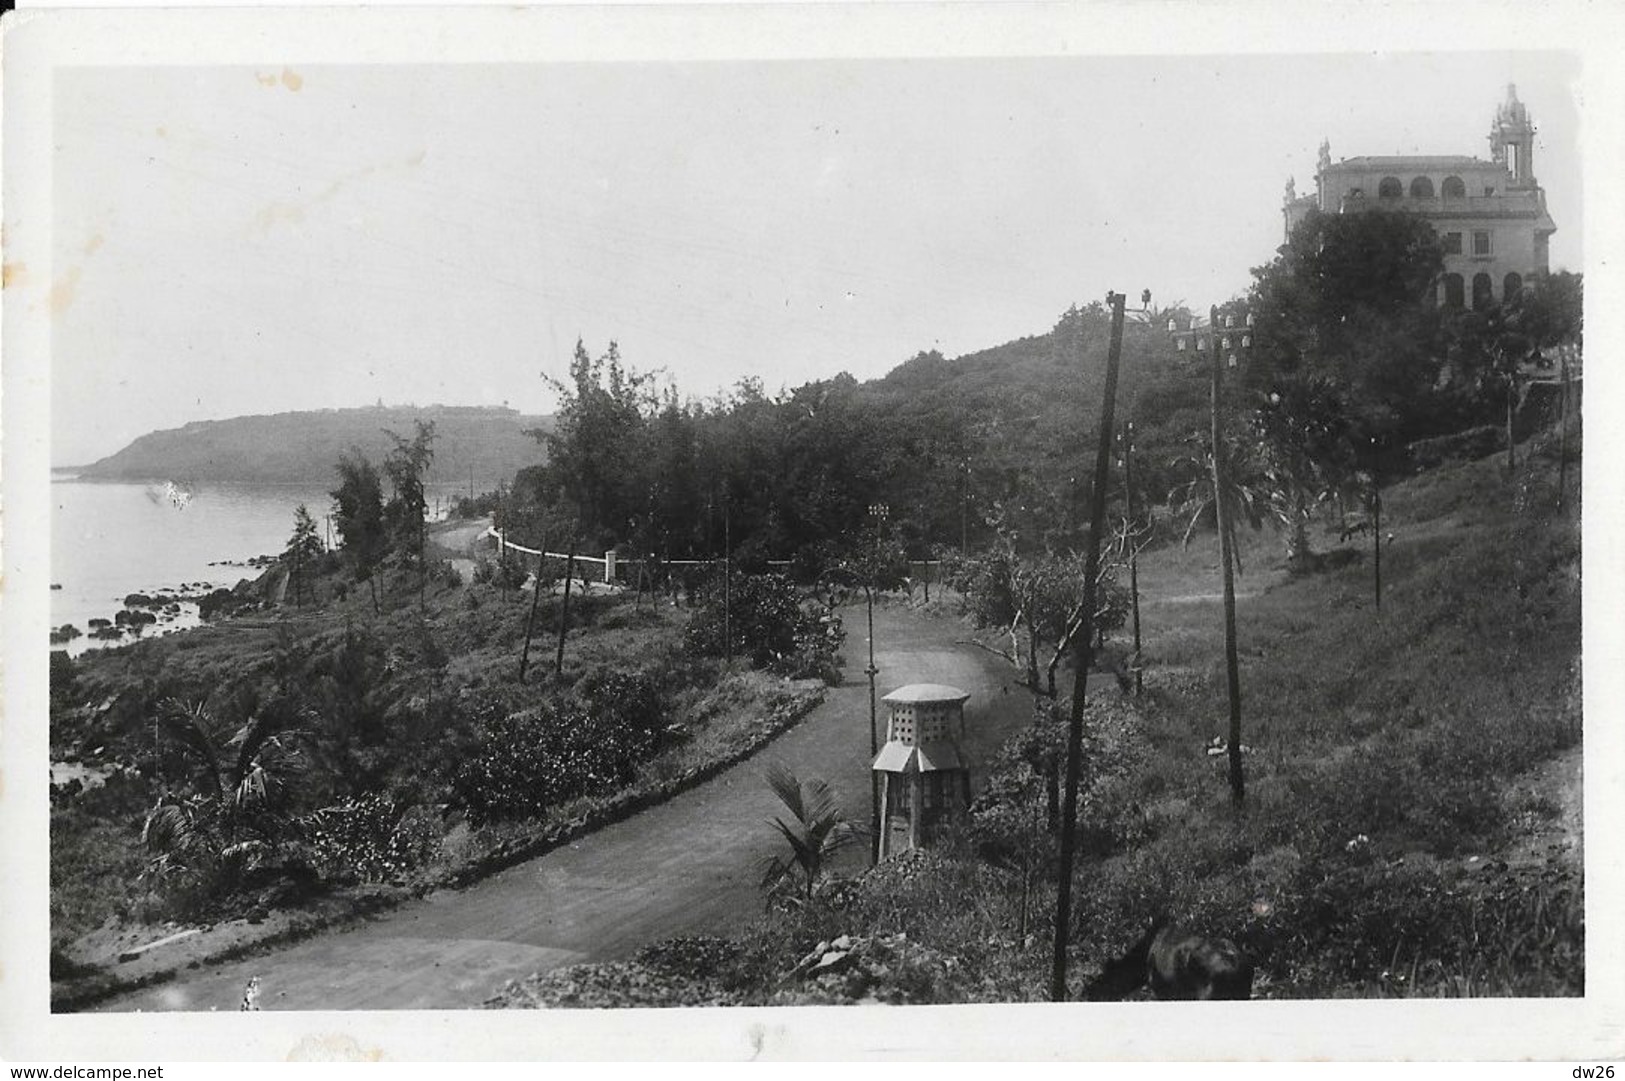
(964, 508)
(1083, 653)
(877, 514)
(535, 602)
(1133, 549)
(564, 608)
(1221, 512)
(727, 587)
(1563, 428)
(1376, 531)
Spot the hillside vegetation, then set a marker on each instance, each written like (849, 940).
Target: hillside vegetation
(1412, 819)
(301, 447)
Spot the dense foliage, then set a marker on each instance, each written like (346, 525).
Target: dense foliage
(588, 742)
(768, 622)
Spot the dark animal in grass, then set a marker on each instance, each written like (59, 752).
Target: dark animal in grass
(1178, 965)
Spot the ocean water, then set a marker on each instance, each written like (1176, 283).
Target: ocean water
(109, 540)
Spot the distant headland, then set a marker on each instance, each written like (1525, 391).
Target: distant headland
(490, 442)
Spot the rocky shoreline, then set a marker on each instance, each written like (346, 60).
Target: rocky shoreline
(174, 609)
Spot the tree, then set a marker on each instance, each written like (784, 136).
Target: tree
(596, 449)
(1345, 350)
(1306, 449)
(1494, 350)
(815, 833)
(235, 815)
(1243, 490)
(1032, 596)
(358, 515)
(303, 547)
(407, 467)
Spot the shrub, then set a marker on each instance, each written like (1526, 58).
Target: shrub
(564, 748)
(769, 624)
(507, 572)
(370, 839)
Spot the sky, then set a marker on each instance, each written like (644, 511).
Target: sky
(237, 240)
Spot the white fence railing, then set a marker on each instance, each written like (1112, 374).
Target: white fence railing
(611, 563)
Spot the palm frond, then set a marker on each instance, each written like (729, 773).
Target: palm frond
(787, 788)
(193, 727)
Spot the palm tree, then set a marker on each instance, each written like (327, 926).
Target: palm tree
(1244, 495)
(816, 832)
(233, 815)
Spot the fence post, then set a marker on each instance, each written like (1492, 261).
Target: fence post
(609, 567)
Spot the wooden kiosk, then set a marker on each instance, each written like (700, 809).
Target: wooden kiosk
(925, 781)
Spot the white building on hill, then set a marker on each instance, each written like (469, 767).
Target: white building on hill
(1491, 215)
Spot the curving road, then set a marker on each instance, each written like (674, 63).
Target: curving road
(689, 866)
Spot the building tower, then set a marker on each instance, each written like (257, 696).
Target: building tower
(1512, 140)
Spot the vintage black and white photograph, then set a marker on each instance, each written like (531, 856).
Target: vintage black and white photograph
(611, 531)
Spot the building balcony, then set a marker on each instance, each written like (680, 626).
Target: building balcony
(1523, 203)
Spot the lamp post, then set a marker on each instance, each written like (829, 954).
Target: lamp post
(877, 514)
(1222, 349)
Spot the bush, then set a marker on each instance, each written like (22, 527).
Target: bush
(507, 572)
(369, 839)
(570, 746)
(769, 624)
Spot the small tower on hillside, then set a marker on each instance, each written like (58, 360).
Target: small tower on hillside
(925, 781)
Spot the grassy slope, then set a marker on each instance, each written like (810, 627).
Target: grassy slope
(1406, 769)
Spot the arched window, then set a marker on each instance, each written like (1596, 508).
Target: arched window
(1511, 287)
(1454, 291)
(1453, 188)
(1483, 292)
(1422, 188)
(1390, 188)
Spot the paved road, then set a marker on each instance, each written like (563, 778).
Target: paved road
(689, 866)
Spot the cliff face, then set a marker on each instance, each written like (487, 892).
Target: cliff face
(303, 447)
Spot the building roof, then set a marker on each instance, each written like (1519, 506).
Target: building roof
(1414, 161)
(897, 757)
(926, 692)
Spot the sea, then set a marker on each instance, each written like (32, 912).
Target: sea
(111, 539)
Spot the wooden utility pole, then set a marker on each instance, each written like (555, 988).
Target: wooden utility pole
(1563, 427)
(564, 609)
(1133, 549)
(535, 602)
(1083, 654)
(1221, 511)
(964, 509)
(727, 588)
(1376, 534)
